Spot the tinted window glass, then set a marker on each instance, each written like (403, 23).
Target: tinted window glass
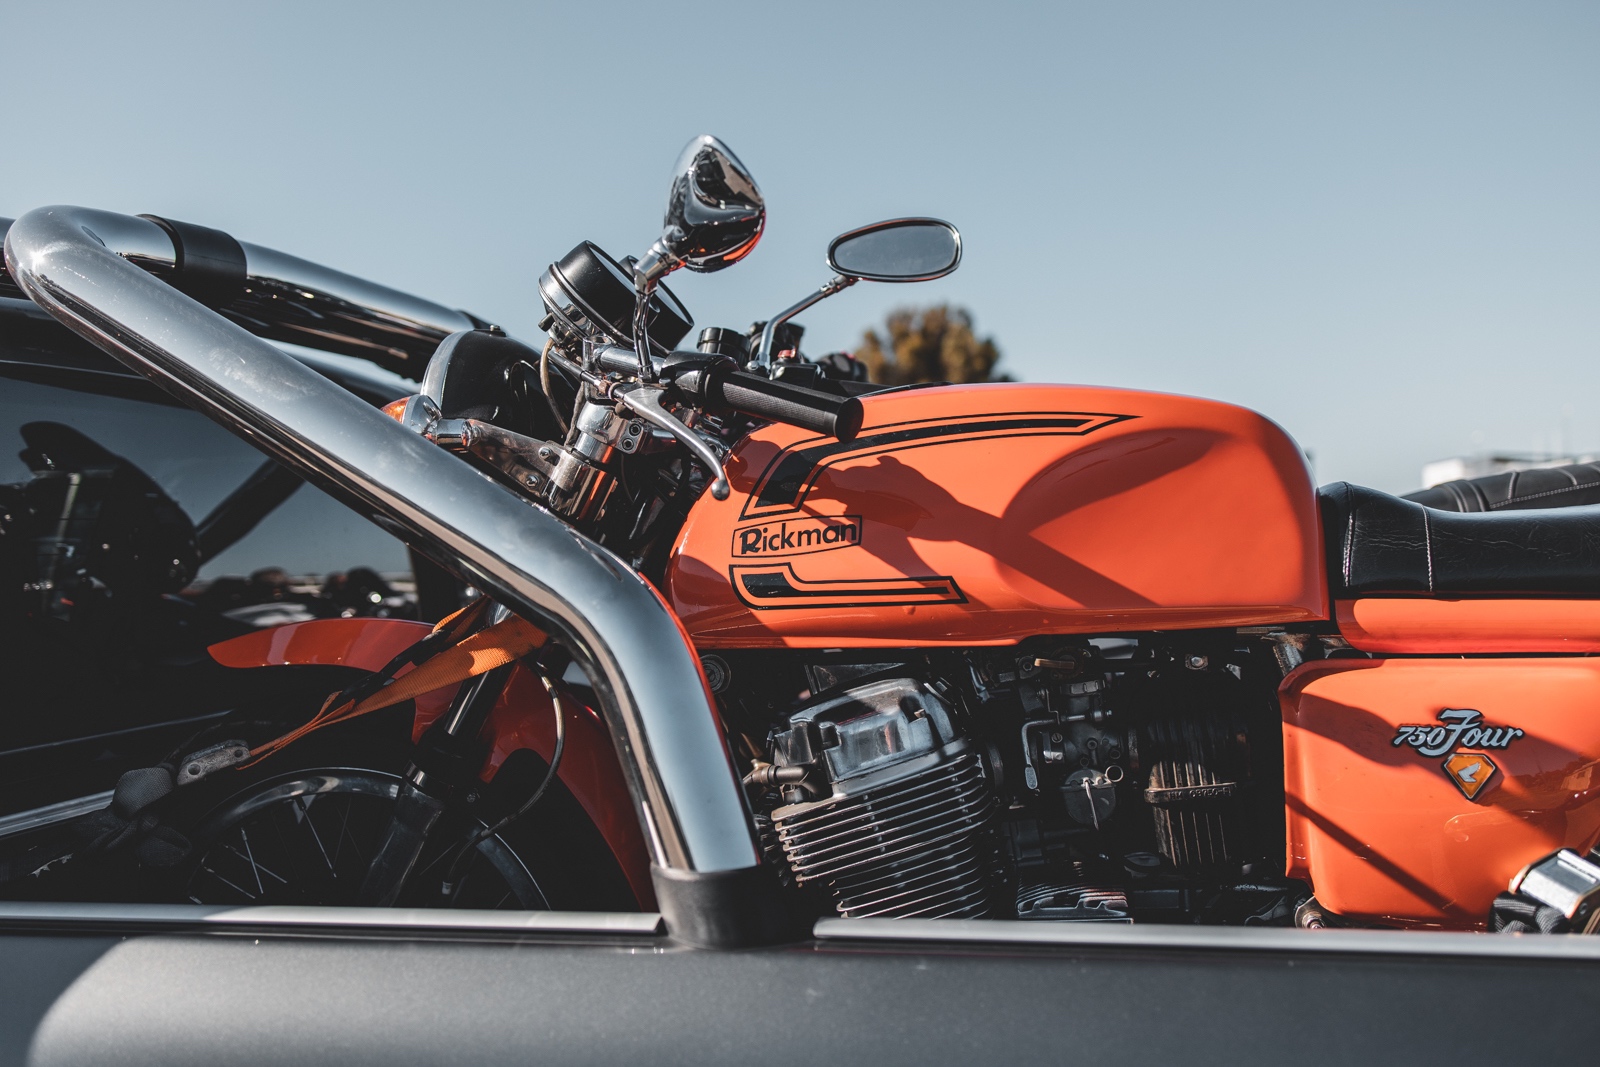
(198, 464)
(116, 572)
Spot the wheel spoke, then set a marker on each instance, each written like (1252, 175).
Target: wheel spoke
(290, 853)
(241, 890)
(344, 833)
(255, 868)
(305, 820)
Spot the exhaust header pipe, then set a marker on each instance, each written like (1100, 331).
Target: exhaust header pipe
(84, 268)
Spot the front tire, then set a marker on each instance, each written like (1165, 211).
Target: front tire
(306, 837)
(301, 828)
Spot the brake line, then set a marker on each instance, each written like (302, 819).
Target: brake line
(544, 384)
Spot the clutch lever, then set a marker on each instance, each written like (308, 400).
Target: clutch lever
(644, 400)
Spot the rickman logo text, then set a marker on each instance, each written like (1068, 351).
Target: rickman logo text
(795, 537)
(1456, 726)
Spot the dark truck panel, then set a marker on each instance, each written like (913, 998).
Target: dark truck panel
(324, 995)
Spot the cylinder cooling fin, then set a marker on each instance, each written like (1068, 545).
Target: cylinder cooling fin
(895, 816)
(916, 846)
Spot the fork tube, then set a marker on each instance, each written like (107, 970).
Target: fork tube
(426, 792)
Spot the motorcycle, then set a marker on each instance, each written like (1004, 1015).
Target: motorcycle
(761, 641)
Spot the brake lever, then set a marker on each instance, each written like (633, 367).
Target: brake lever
(645, 401)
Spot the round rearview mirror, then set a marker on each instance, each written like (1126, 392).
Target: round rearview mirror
(899, 250)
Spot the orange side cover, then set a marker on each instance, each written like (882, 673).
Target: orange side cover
(1436, 625)
(1416, 788)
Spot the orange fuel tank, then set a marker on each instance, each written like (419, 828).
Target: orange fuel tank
(982, 514)
(1417, 787)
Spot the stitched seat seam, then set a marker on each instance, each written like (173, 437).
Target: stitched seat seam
(1545, 493)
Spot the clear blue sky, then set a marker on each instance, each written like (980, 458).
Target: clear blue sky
(1376, 223)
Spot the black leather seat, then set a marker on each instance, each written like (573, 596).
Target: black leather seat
(1573, 485)
(1379, 543)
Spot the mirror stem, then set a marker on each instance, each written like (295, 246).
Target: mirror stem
(641, 327)
(656, 264)
(763, 354)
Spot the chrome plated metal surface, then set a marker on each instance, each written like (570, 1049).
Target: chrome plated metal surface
(561, 479)
(899, 250)
(1208, 938)
(714, 215)
(645, 401)
(32, 819)
(763, 353)
(291, 299)
(653, 695)
(1566, 882)
(639, 924)
(438, 368)
(138, 240)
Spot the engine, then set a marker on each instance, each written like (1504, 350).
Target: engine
(889, 808)
(1111, 780)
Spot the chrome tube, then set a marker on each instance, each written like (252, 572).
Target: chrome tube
(653, 694)
(763, 353)
(291, 299)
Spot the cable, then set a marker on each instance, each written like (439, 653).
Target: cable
(487, 832)
(544, 383)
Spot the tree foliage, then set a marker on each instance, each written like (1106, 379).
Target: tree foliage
(935, 344)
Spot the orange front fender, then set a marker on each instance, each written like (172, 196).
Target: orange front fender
(522, 719)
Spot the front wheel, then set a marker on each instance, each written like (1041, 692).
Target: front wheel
(307, 837)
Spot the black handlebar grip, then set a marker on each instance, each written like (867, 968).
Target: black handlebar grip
(836, 416)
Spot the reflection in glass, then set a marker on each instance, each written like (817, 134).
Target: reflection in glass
(133, 534)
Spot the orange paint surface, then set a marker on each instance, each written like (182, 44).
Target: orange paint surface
(1383, 834)
(1466, 626)
(982, 514)
(521, 719)
(364, 643)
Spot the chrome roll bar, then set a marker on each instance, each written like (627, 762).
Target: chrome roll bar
(85, 268)
(291, 299)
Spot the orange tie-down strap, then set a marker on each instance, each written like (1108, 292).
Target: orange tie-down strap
(500, 644)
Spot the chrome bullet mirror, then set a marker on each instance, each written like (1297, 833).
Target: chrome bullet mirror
(714, 217)
(900, 250)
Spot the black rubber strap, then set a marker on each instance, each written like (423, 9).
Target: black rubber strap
(211, 264)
